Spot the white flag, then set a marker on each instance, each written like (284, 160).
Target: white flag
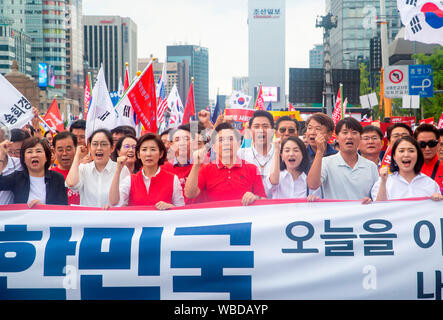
(176, 108)
(125, 112)
(239, 100)
(15, 109)
(101, 113)
(423, 20)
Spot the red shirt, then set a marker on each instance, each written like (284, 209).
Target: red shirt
(73, 197)
(219, 183)
(182, 172)
(429, 168)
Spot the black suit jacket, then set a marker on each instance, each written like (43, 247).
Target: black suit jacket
(20, 185)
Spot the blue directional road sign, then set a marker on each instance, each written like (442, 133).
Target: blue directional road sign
(421, 81)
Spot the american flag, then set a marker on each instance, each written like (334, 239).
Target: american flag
(162, 104)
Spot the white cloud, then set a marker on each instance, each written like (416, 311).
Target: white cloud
(219, 25)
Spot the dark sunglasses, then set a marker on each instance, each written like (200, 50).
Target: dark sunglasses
(290, 130)
(430, 144)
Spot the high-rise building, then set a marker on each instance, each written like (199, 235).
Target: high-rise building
(74, 51)
(197, 58)
(111, 41)
(350, 41)
(14, 45)
(316, 57)
(267, 45)
(44, 22)
(240, 84)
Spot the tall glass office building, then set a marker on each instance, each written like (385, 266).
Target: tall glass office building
(350, 41)
(198, 59)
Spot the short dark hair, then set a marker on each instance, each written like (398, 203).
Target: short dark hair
(106, 132)
(18, 135)
(398, 125)
(79, 124)
(349, 123)
(323, 119)
(371, 128)
(440, 131)
(64, 135)
(225, 126)
(287, 118)
(31, 143)
(262, 114)
(420, 159)
(167, 131)
(304, 165)
(426, 127)
(158, 141)
(126, 130)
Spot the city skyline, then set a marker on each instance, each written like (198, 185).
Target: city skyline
(225, 33)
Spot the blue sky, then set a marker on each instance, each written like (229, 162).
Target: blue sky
(219, 25)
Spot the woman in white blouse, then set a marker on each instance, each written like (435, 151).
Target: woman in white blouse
(406, 181)
(93, 180)
(288, 173)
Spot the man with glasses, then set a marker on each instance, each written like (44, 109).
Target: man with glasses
(428, 137)
(371, 144)
(286, 127)
(65, 146)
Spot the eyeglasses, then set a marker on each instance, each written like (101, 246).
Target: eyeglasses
(101, 144)
(127, 147)
(14, 153)
(374, 138)
(430, 144)
(283, 130)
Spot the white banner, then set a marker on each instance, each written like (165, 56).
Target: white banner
(326, 250)
(15, 109)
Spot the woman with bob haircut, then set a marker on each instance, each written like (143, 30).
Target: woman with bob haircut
(151, 186)
(125, 146)
(288, 174)
(93, 180)
(36, 184)
(406, 181)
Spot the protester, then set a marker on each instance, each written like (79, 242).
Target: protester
(440, 148)
(428, 138)
(8, 165)
(371, 144)
(17, 138)
(65, 144)
(261, 151)
(397, 131)
(93, 180)
(303, 137)
(406, 181)
(152, 186)
(78, 129)
(35, 184)
(126, 147)
(227, 178)
(122, 131)
(346, 175)
(164, 136)
(288, 175)
(319, 124)
(286, 127)
(49, 137)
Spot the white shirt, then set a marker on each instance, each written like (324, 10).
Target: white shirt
(288, 188)
(263, 163)
(94, 186)
(37, 190)
(7, 197)
(341, 182)
(125, 188)
(398, 188)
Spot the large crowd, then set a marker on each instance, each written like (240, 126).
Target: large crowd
(205, 162)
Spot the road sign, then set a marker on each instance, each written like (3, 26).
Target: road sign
(421, 81)
(396, 81)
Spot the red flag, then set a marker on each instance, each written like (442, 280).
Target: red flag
(386, 162)
(142, 97)
(53, 117)
(88, 95)
(126, 84)
(291, 108)
(336, 115)
(190, 106)
(440, 122)
(427, 121)
(260, 103)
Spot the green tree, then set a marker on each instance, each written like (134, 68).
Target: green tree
(365, 88)
(433, 107)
